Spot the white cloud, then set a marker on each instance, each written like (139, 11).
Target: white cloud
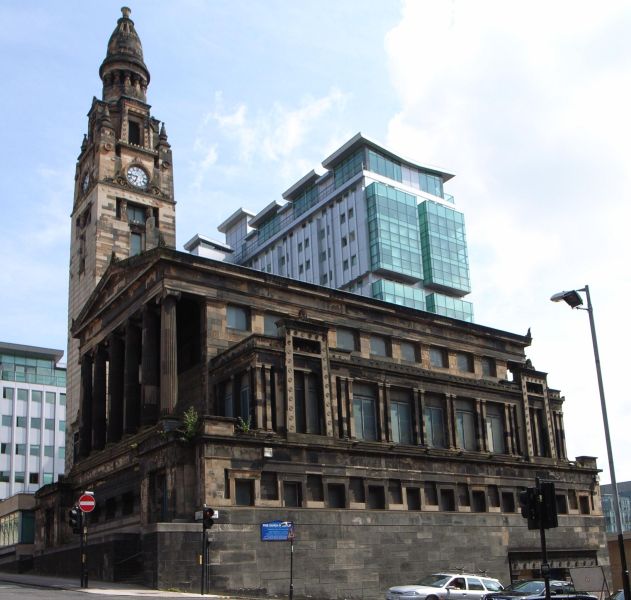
(527, 102)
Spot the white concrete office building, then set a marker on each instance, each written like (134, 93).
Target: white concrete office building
(32, 418)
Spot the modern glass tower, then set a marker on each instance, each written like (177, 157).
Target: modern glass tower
(374, 223)
(33, 418)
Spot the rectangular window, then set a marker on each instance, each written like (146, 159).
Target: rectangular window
(495, 428)
(61, 452)
(306, 243)
(307, 265)
(292, 493)
(36, 423)
(376, 498)
(49, 424)
(465, 425)
(33, 478)
(353, 260)
(244, 492)
(23, 394)
(414, 498)
(7, 420)
(336, 495)
(238, 318)
(135, 243)
(62, 399)
(134, 132)
(408, 351)
(346, 339)
(344, 241)
(269, 324)
(434, 421)
(464, 361)
(447, 500)
(345, 265)
(438, 358)
(365, 411)
(34, 450)
(4, 476)
(300, 269)
(20, 449)
(309, 401)
(379, 345)
(21, 421)
(7, 393)
(299, 246)
(19, 477)
(36, 396)
(62, 426)
(351, 212)
(48, 478)
(400, 417)
(488, 367)
(342, 218)
(50, 397)
(4, 448)
(49, 451)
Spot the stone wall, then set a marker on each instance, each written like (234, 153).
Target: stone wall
(352, 554)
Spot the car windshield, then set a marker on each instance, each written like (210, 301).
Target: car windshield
(435, 580)
(526, 587)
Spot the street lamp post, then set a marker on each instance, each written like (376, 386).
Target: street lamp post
(574, 299)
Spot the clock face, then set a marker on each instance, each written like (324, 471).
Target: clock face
(137, 177)
(85, 183)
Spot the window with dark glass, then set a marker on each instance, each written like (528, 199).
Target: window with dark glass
(434, 421)
(292, 493)
(269, 324)
(356, 490)
(508, 502)
(269, 486)
(431, 493)
(465, 425)
(134, 132)
(315, 489)
(464, 361)
(33, 478)
(379, 345)
(376, 498)
(346, 339)
(408, 351)
(438, 358)
(401, 416)
(365, 411)
(308, 396)
(244, 492)
(414, 498)
(447, 500)
(7, 393)
(336, 495)
(488, 367)
(238, 318)
(495, 428)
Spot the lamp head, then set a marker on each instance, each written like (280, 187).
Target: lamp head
(573, 298)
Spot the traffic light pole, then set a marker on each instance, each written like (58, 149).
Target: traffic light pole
(545, 567)
(83, 547)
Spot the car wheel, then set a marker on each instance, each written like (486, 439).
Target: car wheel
(431, 598)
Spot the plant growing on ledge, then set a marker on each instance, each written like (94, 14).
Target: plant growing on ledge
(244, 426)
(190, 425)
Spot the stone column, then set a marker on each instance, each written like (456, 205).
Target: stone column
(418, 406)
(132, 379)
(259, 397)
(85, 438)
(451, 421)
(480, 425)
(384, 402)
(99, 400)
(115, 389)
(509, 442)
(168, 354)
(150, 368)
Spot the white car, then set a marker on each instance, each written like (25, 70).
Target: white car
(446, 586)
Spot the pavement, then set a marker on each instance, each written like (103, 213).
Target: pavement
(97, 587)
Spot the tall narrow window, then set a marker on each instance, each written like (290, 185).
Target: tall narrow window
(438, 358)
(309, 401)
(465, 425)
(238, 318)
(495, 428)
(400, 417)
(365, 412)
(134, 132)
(434, 421)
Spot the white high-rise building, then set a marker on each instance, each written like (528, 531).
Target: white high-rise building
(375, 224)
(33, 418)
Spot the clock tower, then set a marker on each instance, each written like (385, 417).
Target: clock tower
(123, 198)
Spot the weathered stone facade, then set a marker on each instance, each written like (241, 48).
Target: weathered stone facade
(294, 425)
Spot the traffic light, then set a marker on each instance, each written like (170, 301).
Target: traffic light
(207, 517)
(548, 505)
(529, 507)
(75, 519)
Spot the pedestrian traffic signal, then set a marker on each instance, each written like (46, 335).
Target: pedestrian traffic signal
(75, 519)
(529, 507)
(207, 517)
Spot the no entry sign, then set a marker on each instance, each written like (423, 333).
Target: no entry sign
(87, 503)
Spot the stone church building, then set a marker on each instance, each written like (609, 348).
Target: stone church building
(397, 441)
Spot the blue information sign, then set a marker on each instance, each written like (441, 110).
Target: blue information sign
(277, 531)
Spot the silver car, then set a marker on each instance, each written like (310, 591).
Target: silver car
(446, 586)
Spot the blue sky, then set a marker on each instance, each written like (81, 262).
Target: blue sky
(526, 102)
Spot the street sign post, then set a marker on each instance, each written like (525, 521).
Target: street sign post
(282, 531)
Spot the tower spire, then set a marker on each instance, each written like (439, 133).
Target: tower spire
(123, 71)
